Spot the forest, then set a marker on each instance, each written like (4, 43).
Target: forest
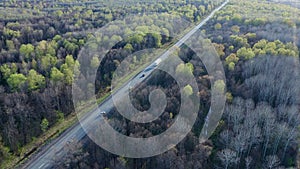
(257, 42)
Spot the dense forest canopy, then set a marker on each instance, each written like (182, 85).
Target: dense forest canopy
(257, 42)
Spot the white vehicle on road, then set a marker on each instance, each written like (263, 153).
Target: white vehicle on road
(158, 61)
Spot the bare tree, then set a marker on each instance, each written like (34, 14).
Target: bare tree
(228, 157)
(254, 137)
(271, 162)
(251, 122)
(268, 123)
(225, 138)
(234, 113)
(248, 161)
(266, 79)
(281, 129)
(293, 130)
(239, 142)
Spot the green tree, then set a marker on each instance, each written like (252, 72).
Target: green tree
(231, 48)
(259, 52)
(51, 48)
(71, 64)
(235, 29)
(60, 116)
(11, 33)
(14, 68)
(41, 48)
(35, 80)
(251, 36)
(128, 47)
(56, 75)
(95, 62)
(184, 69)
(270, 48)
(10, 45)
(239, 41)
(218, 26)
(59, 13)
(24, 68)
(188, 90)
(47, 62)
(237, 18)
(202, 9)
(5, 71)
(171, 115)
(136, 38)
(220, 49)
(219, 86)
(69, 69)
(231, 58)
(26, 50)
(108, 17)
(44, 124)
(231, 66)
(190, 66)
(81, 42)
(4, 152)
(88, 13)
(157, 37)
(271, 45)
(229, 97)
(259, 21)
(70, 61)
(116, 38)
(142, 29)
(15, 81)
(261, 44)
(165, 31)
(57, 38)
(34, 64)
(245, 53)
(69, 76)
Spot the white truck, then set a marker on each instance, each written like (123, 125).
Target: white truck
(157, 62)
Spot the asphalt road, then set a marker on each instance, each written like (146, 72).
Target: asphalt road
(54, 151)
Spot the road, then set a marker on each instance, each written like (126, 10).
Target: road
(56, 149)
